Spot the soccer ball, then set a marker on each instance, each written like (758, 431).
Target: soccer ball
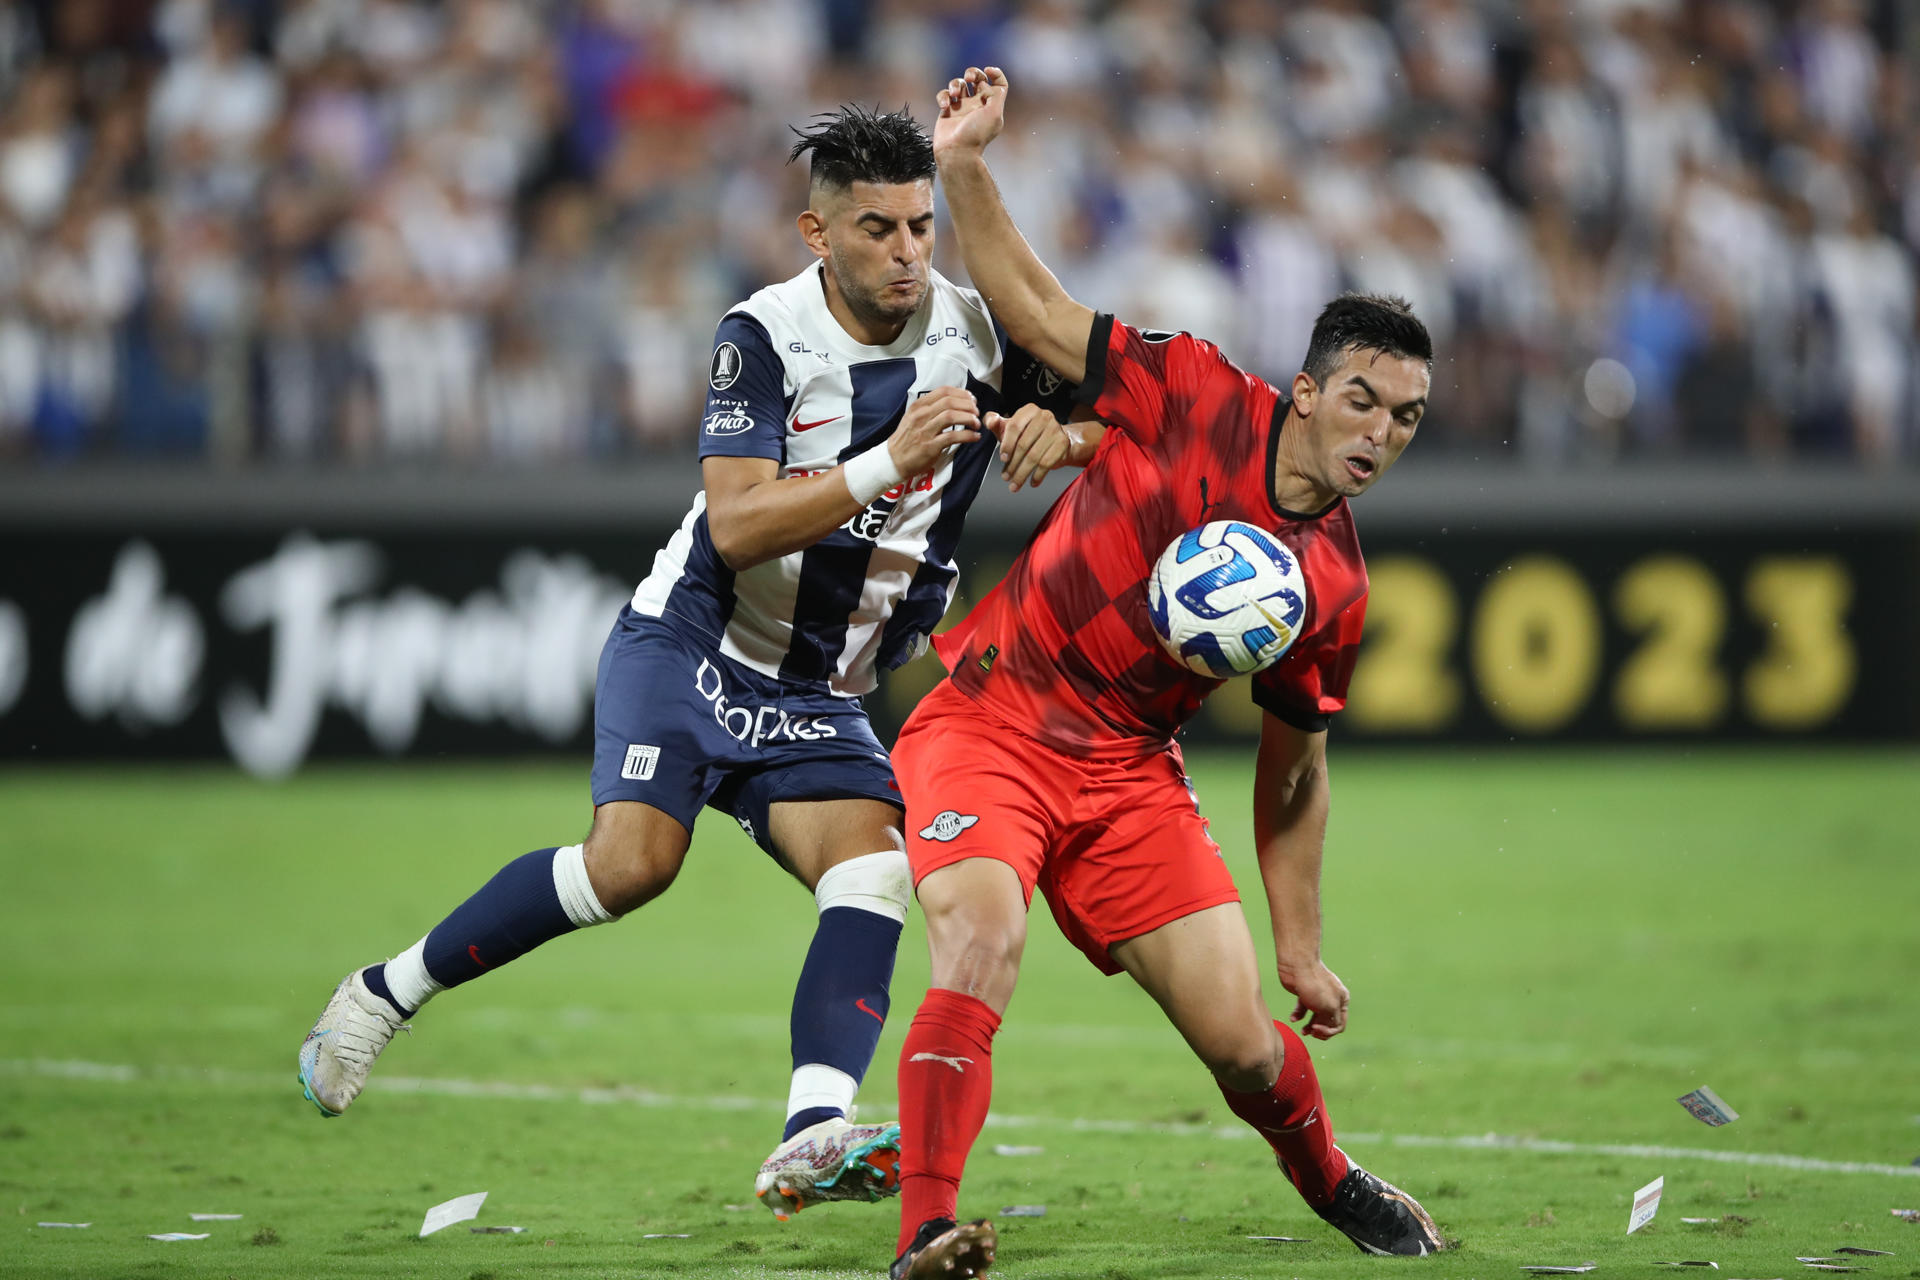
(1227, 599)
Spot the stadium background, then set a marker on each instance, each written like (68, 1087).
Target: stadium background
(434, 286)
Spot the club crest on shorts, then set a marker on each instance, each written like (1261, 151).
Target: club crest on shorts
(638, 766)
(948, 824)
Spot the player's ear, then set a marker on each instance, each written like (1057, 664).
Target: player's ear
(1305, 392)
(813, 230)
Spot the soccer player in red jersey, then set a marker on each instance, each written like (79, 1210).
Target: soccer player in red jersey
(1047, 758)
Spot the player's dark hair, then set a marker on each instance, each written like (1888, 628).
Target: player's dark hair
(854, 144)
(1365, 322)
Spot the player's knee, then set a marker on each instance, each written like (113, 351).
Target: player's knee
(878, 882)
(626, 870)
(973, 941)
(1244, 1059)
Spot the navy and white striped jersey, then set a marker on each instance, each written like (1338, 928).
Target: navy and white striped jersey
(790, 384)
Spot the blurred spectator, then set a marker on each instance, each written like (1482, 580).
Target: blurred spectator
(503, 230)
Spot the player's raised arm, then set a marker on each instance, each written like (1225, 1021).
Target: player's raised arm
(1290, 801)
(1022, 293)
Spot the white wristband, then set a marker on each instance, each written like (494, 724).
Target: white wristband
(870, 474)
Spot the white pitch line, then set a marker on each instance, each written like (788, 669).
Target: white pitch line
(451, 1087)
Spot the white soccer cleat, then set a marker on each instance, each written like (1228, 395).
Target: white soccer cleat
(832, 1160)
(339, 1052)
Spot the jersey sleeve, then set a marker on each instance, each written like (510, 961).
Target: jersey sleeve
(1024, 380)
(1308, 686)
(1145, 381)
(746, 411)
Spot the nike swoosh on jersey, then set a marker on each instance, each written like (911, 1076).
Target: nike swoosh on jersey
(808, 426)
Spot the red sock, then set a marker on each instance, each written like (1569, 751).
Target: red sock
(946, 1079)
(1292, 1117)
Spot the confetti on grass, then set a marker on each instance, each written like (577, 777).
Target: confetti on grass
(458, 1209)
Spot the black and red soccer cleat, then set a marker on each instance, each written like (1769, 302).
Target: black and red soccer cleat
(1380, 1217)
(945, 1250)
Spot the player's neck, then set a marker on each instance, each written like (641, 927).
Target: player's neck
(867, 331)
(1292, 484)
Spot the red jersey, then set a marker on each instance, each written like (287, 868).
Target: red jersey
(1063, 647)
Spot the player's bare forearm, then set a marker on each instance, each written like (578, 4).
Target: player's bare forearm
(1290, 804)
(1022, 294)
(755, 516)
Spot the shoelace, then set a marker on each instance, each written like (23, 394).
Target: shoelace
(357, 1046)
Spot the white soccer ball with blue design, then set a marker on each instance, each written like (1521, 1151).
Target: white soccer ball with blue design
(1227, 599)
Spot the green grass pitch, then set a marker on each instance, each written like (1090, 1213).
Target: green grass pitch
(1549, 947)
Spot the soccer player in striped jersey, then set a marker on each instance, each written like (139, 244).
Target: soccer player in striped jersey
(852, 413)
(1047, 759)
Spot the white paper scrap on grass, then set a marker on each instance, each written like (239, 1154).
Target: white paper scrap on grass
(1699, 1222)
(1696, 1263)
(497, 1231)
(1024, 1211)
(179, 1235)
(1003, 1149)
(458, 1209)
(71, 1226)
(1908, 1215)
(1646, 1203)
(1704, 1105)
(1281, 1239)
(216, 1217)
(668, 1235)
(1561, 1271)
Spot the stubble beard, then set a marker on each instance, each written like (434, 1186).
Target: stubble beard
(870, 306)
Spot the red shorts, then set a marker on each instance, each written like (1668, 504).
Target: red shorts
(1117, 846)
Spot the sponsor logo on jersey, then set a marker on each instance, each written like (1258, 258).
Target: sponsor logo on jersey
(728, 424)
(726, 367)
(808, 426)
(939, 336)
(756, 725)
(948, 824)
(638, 766)
(1046, 382)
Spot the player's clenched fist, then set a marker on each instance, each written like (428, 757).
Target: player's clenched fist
(973, 110)
(1320, 994)
(933, 425)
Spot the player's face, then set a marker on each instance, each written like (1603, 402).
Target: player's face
(1360, 423)
(877, 239)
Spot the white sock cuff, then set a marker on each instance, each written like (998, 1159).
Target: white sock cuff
(570, 881)
(408, 979)
(818, 1085)
(878, 882)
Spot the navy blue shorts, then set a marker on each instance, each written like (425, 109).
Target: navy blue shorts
(678, 726)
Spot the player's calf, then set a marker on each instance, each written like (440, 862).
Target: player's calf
(533, 899)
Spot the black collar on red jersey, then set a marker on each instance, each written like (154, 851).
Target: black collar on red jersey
(1282, 411)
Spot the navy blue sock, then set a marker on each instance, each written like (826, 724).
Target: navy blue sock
(840, 1005)
(375, 976)
(511, 914)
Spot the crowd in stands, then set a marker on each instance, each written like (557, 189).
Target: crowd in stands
(502, 231)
